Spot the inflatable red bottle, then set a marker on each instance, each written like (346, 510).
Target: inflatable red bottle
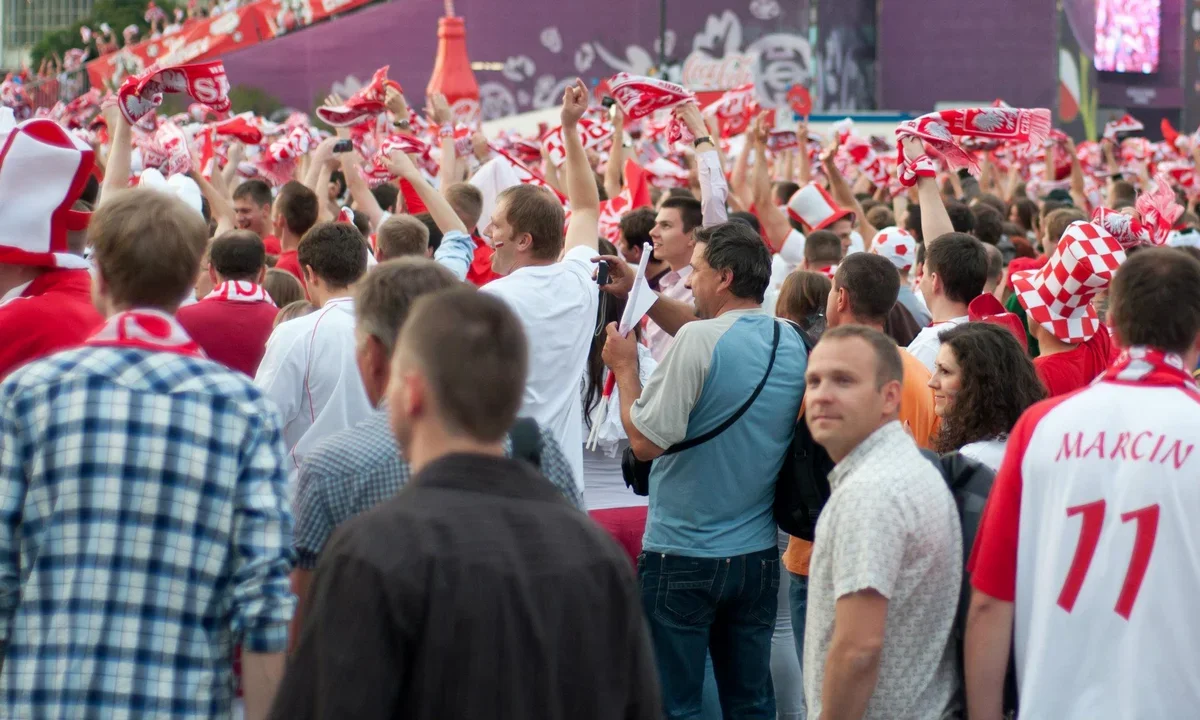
(452, 75)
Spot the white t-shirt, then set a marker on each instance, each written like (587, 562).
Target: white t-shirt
(988, 452)
(783, 263)
(924, 346)
(557, 307)
(310, 372)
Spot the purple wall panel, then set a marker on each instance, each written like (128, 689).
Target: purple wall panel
(949, 50)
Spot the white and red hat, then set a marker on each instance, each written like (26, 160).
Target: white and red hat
(812, 207)
(43, 171)
(1058, 296)
(896, 244)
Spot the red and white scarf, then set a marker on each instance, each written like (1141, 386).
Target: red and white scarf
(205, 82)
(1123, 124)
(592, 134)
(864, 157)
(238, 291)
(640, 96)
(1148, 366)
(146, 329)
(734, 110)
(939, 130)
(363, 105)
(244, 127)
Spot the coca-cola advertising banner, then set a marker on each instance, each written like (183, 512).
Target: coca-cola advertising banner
(212, 37)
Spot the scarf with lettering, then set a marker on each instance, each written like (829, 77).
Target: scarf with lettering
(238, 291)
(940, 130)
(146, 329)
(1148, 366)
(205, 82)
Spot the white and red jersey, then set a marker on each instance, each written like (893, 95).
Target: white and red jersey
(1092, 529)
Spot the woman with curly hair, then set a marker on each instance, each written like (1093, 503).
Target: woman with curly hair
(982, 381)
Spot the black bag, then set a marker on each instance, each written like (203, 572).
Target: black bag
(527, 442)
(637, 472)
(802, 488)
(970, 482)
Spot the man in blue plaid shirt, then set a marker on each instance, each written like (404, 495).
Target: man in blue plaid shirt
(144, 523)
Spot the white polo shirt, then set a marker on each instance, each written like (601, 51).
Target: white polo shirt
(309, 371)
(557, 306)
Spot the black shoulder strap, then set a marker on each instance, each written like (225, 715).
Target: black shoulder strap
(700, 440)
(527, 441)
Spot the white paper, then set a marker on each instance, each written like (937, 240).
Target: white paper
(641, 298)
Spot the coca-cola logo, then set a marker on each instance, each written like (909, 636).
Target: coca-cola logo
(704, 73)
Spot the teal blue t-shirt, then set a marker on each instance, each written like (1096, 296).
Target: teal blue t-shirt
(717, 499)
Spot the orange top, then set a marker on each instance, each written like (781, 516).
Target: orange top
(917, 416)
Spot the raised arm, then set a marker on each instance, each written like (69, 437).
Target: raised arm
(580, 180)
(743, 191)
(229, 172)
(439, 114)
(775, 225)
(364, 201)
(713, 188)
(803, 161)
(616, 155)
(120, 154)
(456, 250)
(935, 221)
(844, 196)
(1078, 189)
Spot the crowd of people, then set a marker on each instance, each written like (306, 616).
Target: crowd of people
(406, 430)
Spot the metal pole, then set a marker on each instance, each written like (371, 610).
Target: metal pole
(662, 38)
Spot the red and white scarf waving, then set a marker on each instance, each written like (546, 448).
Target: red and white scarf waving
(238, 291)
(146, 329)
(734, 110)
(204, 82)
(640, 96)
(244, 127)
(1148, 366)
(363, 105)
(592, 134)
(1159, 210)
(940, 129)
(864, 157)
(1123, 124)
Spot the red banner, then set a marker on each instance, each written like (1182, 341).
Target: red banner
(209, 38)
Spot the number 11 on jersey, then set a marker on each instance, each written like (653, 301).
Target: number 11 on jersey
(1091, 525)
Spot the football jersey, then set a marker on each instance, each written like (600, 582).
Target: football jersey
(1091, 530)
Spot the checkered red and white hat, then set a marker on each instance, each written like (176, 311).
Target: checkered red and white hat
(1059, 294)
(43, 171)
(896, 244)
(812, 206)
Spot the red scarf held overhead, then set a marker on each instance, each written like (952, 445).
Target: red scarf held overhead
(1148, 366)
(204, 82)
(940, 129)
(146, 330)
(362, 105)
(238, 291)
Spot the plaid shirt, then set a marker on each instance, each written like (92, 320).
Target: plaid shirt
(360, 467)
(144, 530)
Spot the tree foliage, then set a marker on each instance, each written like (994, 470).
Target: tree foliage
(119, 14)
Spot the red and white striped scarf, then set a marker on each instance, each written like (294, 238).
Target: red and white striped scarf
(146, 329)
(239, 291)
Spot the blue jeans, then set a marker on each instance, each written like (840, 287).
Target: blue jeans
(723, 607)
(798, 599)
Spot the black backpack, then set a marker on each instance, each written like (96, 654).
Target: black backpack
(970, 482)
(802, 487)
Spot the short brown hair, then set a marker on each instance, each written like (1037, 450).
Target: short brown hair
(881, 217)
(822, 247)
(386, 295)
(467, 201)
(335, 252)
(1155, 300)
(237, 255)
(148, 246)
(283, 287)
(803, 294)
(871, 284)
(888, 365)
(474, 356)
(299, 207)
(401, 236)
(1059, 220)
(531, 209)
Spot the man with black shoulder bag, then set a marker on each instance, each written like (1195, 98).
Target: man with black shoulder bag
(716, 418)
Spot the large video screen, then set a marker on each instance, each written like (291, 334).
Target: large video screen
(1127, 35)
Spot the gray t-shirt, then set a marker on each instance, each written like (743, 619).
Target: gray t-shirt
(891, 526)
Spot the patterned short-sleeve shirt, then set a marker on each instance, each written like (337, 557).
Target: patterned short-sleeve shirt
(891, 526)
